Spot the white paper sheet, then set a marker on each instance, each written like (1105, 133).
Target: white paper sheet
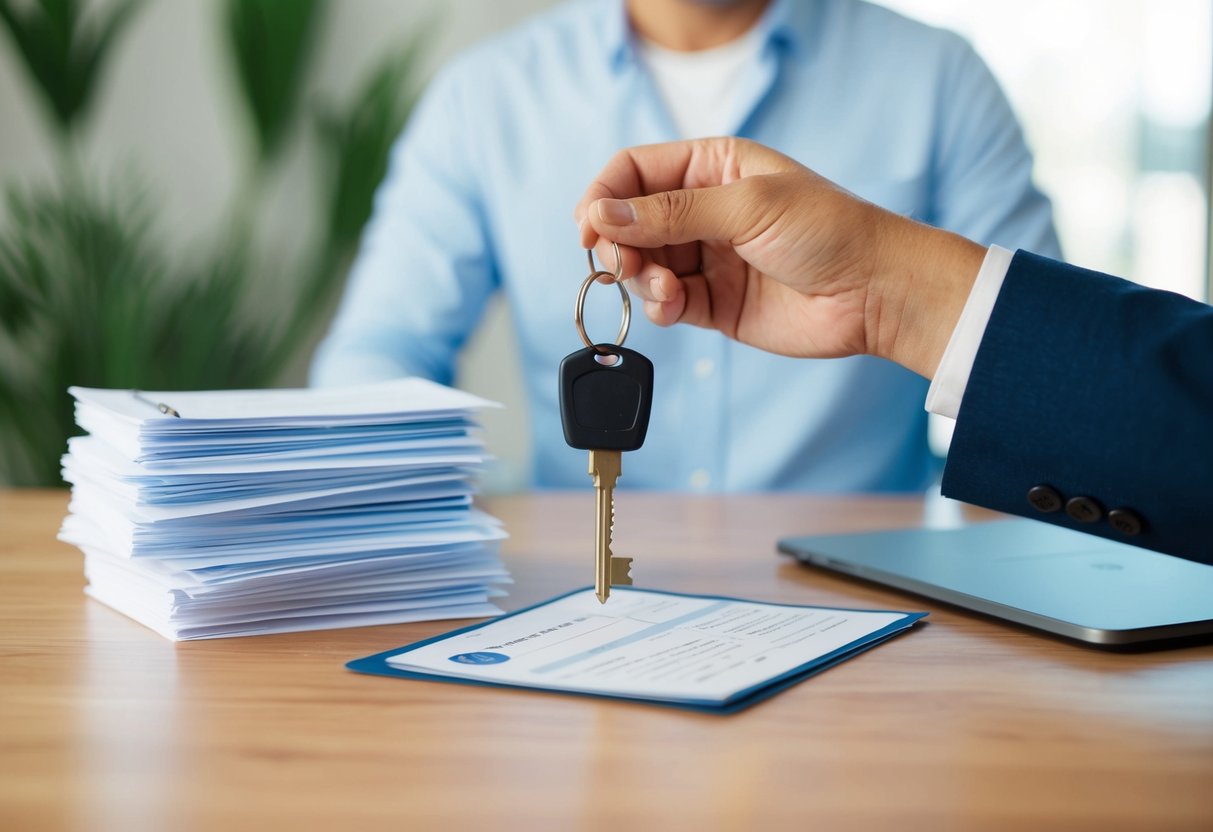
(648, 645)
(369, 403)
(279, 510)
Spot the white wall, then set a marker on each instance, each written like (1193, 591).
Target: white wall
(167, 109)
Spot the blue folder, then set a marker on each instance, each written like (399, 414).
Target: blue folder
(378, 664)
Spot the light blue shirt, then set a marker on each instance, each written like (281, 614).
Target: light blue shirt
(482, 184)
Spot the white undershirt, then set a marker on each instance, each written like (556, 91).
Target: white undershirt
(701, 89)
(952, 376)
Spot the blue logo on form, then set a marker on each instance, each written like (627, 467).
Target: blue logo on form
(480, 658)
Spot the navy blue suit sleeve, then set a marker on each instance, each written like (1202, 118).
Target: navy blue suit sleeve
(1095, 387)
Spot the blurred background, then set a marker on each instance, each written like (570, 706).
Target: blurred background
(181, 195)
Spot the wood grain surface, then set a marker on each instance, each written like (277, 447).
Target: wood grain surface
(962, 724)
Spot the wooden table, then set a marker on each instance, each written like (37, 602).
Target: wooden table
(963, 724)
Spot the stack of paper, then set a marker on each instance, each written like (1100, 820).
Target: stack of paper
(213, 514)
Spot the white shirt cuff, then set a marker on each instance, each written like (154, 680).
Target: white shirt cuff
(948, 386)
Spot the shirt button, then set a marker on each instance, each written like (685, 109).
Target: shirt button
(704, 368)
(700, 479)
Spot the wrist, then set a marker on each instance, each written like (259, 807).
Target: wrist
(920, 281)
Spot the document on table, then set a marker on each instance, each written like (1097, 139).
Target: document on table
(696, 651)
(207, 514)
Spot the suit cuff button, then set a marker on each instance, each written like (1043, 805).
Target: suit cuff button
(1084, 509)
(1044, 498)
(1126, 521)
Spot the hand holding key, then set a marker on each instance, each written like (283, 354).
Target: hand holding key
(606, 393)
(734, 236)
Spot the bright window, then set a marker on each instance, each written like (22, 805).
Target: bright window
(1114, 97)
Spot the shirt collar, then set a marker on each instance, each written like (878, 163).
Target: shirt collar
(784, 24)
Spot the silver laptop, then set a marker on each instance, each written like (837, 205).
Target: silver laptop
(1032, 573)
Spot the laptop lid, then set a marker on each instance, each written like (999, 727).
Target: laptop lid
(1032, 573)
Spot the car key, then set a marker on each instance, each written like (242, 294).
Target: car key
(606, 394)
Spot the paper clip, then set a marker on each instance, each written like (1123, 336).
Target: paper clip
(161, 406)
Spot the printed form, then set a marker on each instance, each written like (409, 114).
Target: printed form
(649, 645)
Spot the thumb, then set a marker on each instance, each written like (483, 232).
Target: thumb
(673, 217)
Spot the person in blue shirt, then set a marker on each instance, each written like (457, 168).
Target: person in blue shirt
(1080, 399)
(476, 201)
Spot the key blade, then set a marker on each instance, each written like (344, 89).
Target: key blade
(602, 540)
(604, 467)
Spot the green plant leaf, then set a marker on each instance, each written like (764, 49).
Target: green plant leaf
(96, 43)
(89, 291)
(358, 138)
(106, 306)
(64, 51)
(69, 254)
(270, 43)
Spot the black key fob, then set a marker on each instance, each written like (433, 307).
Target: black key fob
(606, 393)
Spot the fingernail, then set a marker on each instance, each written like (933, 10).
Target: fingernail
(616, 211)
(655, 289)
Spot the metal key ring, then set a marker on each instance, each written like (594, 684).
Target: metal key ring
(589, 256)
(578, 313)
